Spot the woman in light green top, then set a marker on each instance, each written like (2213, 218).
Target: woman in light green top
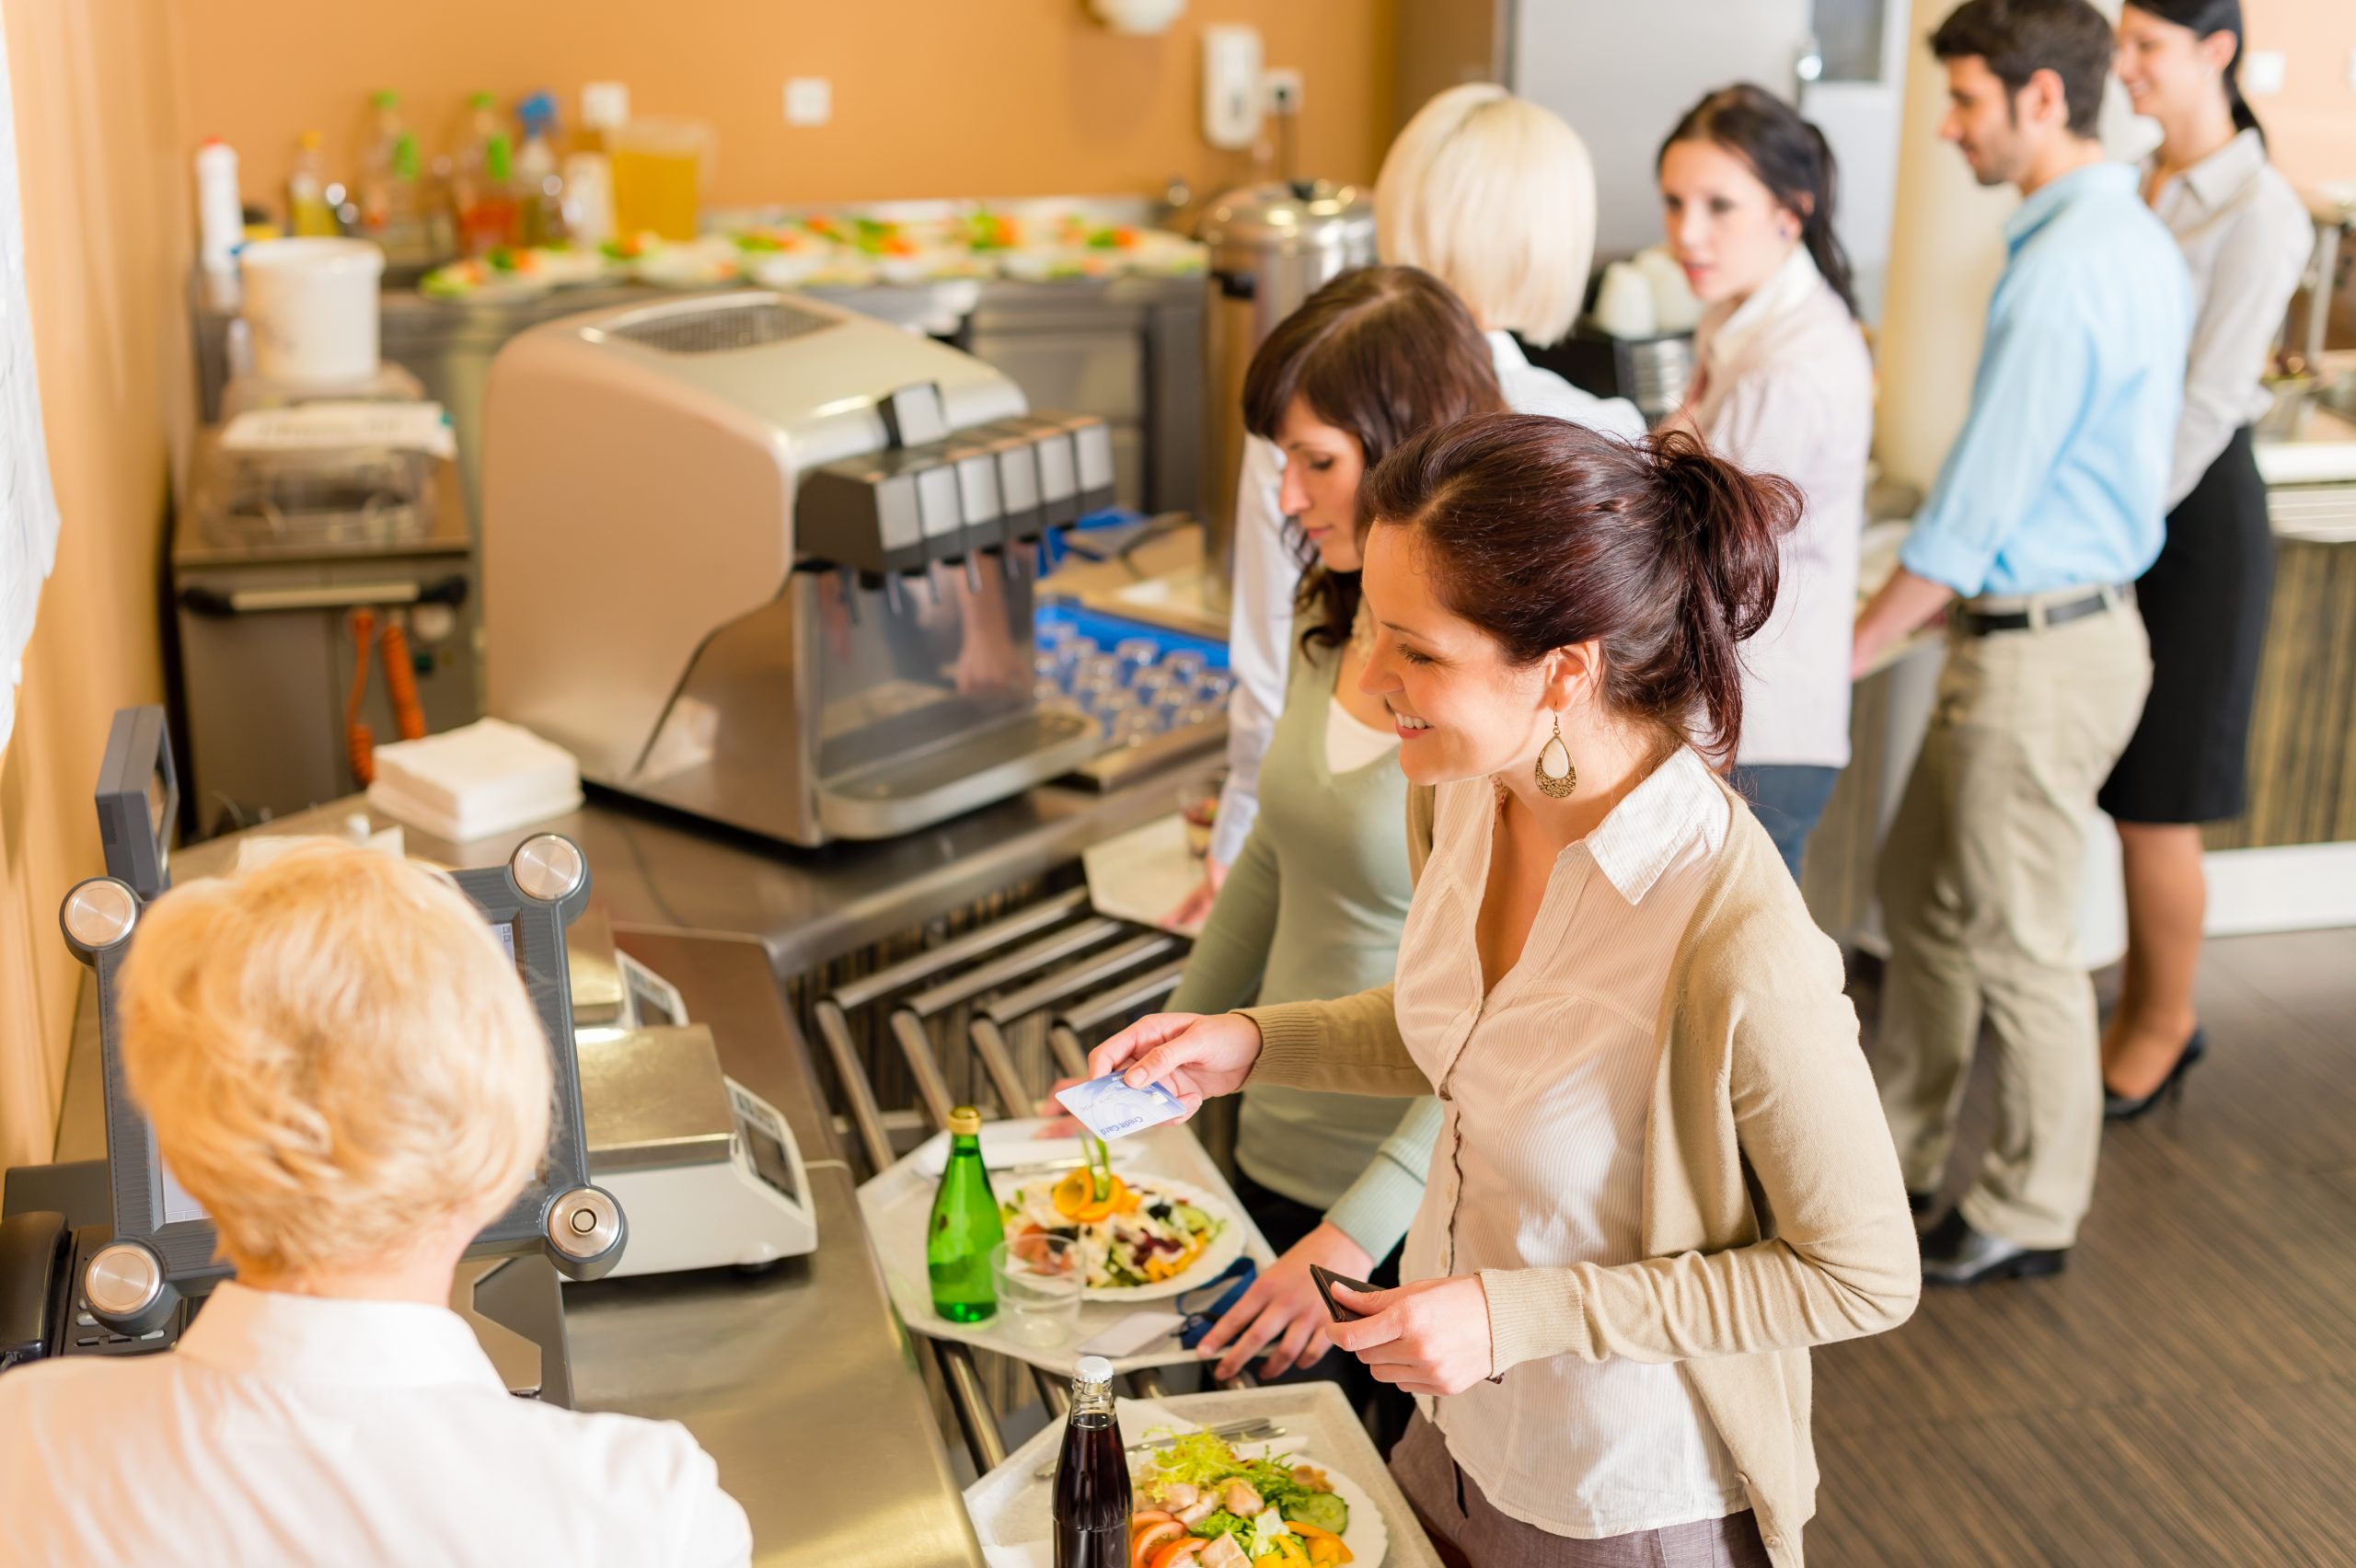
(1313, 907)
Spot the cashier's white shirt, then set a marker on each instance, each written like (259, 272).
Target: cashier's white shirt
(289, 1430)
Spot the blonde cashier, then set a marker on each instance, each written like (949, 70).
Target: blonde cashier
(350, 1131)
(1613, 986)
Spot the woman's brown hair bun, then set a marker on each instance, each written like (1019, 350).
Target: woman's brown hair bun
(1545, 534)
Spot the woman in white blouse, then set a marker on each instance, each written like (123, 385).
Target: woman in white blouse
(2246, 238)
(1662, 1173)
(1782, 385)
(1495, 197)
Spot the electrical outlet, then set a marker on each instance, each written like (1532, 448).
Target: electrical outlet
(1280, 90)
(2262, 72)
(809, 100)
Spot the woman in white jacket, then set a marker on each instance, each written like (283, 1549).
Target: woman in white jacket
(1495, 197)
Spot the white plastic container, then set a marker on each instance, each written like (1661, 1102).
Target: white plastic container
(221, 225)
(311, 307)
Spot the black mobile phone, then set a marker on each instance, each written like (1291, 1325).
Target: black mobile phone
(1326, 1280)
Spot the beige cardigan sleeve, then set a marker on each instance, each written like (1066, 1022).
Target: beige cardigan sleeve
(1350, 1045)
(1843, 1262)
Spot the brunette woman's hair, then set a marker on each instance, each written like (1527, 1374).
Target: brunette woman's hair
(1788, 155)
(2204, 18)
(1545, 534)
(1380, 353)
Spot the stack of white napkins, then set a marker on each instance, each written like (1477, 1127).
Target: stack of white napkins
(466, 784)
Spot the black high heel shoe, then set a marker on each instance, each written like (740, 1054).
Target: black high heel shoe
(2126, 1108)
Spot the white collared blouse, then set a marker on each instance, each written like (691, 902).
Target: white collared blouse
(296, 1430)
(1545, 1083)
(2247, 238)
(1784, 386)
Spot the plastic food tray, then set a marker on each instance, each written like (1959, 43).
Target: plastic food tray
(1009, 1506)
(897, 1204)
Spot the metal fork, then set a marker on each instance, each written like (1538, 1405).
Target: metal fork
(1252, 1430)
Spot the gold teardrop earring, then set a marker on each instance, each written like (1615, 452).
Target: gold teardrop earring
(1556, 785)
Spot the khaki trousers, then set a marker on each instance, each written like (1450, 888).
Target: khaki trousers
(1979, 881)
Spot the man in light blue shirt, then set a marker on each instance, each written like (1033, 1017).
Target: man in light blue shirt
(2049, 505)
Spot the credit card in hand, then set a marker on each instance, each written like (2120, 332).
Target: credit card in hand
(1326, 1280)
(1111, 1109)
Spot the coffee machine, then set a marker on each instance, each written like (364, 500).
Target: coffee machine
(772, 562)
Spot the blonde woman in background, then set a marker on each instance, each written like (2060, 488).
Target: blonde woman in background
(349, 1131)
(1495, 197)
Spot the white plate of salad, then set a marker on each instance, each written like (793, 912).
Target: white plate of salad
(1143, 1236)
(1199, 1503)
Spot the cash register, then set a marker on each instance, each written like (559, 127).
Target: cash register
(80, 1286)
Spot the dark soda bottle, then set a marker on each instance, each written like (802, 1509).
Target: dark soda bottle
(964, 1227)
(1091, 1505)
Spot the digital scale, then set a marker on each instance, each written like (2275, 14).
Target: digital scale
(708, 1170)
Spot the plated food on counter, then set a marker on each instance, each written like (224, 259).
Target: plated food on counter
(1205, 1505)
(1139, 1235)
(824, 250)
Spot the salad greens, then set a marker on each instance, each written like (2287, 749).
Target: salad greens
(1206, 1463)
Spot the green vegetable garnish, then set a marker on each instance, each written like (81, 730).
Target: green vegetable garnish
(1325, 1509)
(1100, 1169)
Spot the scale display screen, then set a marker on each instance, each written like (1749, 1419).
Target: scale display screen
(505, 931)
(178, 1206)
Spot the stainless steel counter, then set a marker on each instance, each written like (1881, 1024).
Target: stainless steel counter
(800, 1381)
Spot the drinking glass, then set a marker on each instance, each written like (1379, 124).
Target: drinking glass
(1039, 1279)
(1198, 808)
(1136, 652)
(1185, 666)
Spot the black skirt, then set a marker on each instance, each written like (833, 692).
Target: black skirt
(2205, 603)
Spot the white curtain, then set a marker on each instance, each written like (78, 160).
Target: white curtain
(27, 506)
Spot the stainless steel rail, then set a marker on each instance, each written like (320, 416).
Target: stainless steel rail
(1067, 1033)
(910, 1015)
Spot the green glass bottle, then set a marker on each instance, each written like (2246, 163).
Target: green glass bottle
(964, 1227)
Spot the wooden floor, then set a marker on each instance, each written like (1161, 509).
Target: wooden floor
(2186, 1391)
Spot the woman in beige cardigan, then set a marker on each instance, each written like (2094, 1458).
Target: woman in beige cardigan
(1663, 1172)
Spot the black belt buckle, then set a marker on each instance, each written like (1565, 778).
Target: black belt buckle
(1980, 623)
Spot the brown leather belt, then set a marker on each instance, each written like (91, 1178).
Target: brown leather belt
(1980, 623)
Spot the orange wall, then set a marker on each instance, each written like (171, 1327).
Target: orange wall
(2311, 124)
(98, 134)
(931, 98)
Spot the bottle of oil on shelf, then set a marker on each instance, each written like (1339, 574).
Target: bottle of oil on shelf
(1091, 1500)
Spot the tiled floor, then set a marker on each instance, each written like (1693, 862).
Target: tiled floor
(2185, 1392)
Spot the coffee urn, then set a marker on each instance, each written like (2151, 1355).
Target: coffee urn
(1271, 246)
